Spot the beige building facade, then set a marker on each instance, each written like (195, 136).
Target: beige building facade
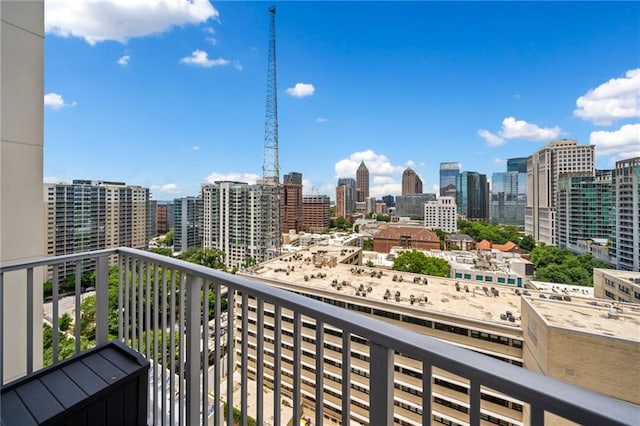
(620, 286)
(22, 217)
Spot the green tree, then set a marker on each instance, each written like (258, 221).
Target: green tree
(168, 238)
(527, 243)
(65, 322)
(383, 218)
(209, 257)
(367, 244)
(419, 263)
(163, 251)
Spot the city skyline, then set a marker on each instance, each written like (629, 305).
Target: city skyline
(395, 85)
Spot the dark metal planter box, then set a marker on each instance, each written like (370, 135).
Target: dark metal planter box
(106, 385)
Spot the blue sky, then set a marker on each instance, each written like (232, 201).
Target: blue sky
(170, 94)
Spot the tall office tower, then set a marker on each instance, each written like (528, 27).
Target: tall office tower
(188, 223)
(441, 214)
(584, 208)
(509, 194)
(626, 178)
(412, 205)
(315, 213)
(91, 215)
(21, 192)
(231, 221)
(448, 174)
(472, 195)
(362, 183)
(345, 197)
(291, 202)
(164, 216)
(152, 219)
(543, 169)
(517, 165)
(389, 200)
(411, 182)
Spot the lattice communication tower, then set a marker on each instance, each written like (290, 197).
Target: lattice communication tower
(270, 167)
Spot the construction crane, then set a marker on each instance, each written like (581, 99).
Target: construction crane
(270, 200)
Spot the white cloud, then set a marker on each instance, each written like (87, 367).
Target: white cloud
(195, 148)
(414, 165)
(380, 191)
(519, 129)
(237, 65)
(382, 180)
(321, 120)
(435, 188)
(250, 178)
(56, 101)
(385, 177)
(300, 90)
(616, 99)
(200, 58)
(378, 164)
(499, 162)
(120, 20)
(621, 144)
(167, 188)
(124, 60)
(211, 40)
(491, 138)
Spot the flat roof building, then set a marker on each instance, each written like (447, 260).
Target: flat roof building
(491, 323)
(620, 286)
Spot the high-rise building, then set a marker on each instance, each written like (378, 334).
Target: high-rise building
(543, 170)
(472, 195)
(291, 203)
(164, 216)
(345, 197)
(441, 214)
(584, 208)
(92, 215)
(315, 213)
(231, 221)
(411, 182)
(152, 219)
(509, 194)
(517, 165)
(448, 174)
(626, 178)
(412, 205)
(389, 200)
(187, 219)
(362, 183)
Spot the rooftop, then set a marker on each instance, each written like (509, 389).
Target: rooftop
(595, 317)
(439, 295)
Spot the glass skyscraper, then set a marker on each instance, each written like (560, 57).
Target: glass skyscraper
(448, 174)
(509, 194)
(472, 195)
(584, 208)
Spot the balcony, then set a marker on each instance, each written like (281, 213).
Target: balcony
(259, 351)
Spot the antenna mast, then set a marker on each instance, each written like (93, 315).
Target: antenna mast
(270, 165)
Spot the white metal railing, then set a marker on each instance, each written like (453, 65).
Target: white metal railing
(161, 300)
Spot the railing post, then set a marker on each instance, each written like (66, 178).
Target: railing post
(193, 350)
(102, 300)
(381, 384)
